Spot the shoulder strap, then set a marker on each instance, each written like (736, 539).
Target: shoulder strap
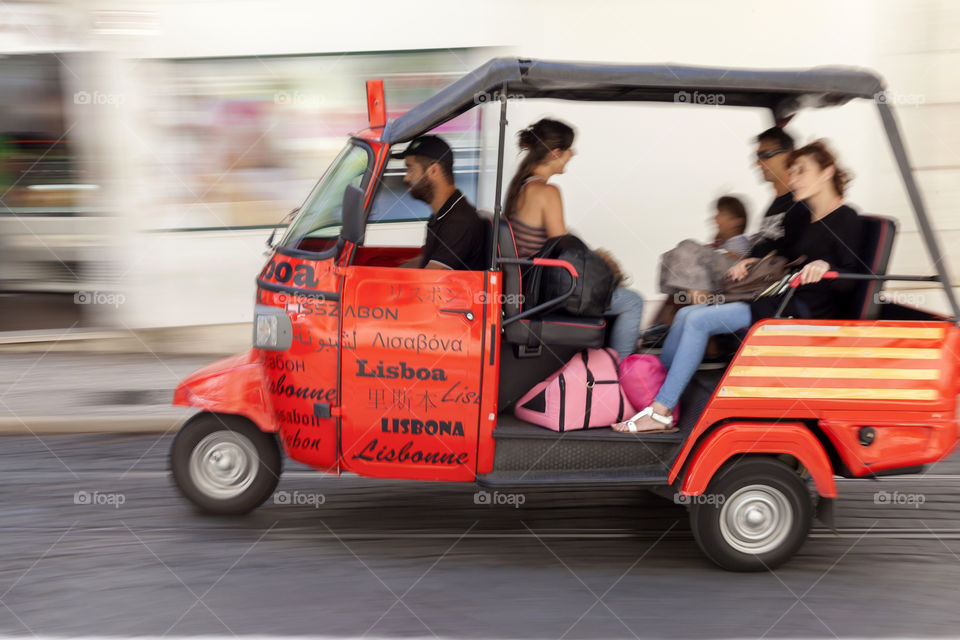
(616, 372)
(563, 397)
(590, 382)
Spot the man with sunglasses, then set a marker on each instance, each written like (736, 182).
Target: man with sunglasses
(773, 147)
(454, 231)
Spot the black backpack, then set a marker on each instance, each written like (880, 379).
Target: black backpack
(595, 283)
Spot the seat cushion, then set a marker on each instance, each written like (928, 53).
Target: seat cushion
(559, 329)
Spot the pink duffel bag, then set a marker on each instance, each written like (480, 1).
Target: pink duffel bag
(641, 376)
(584, 393)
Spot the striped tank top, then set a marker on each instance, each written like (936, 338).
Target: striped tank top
(529, 239)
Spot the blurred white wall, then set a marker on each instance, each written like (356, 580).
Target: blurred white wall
(644, 175)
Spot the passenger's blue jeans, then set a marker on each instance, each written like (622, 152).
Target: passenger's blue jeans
(687, 342)
(627, 306)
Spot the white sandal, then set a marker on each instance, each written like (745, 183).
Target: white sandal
(666, 421)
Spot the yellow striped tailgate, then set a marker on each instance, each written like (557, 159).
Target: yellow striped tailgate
(836, 358)
(830, 331)
(841, 352)
(827, 393)
(834, 372)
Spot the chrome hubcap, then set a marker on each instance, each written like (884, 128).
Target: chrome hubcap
(756, 519)
(223, 464)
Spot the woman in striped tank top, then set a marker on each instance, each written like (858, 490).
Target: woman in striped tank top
(535, 211)
(533, 206)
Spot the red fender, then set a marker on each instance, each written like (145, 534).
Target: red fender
(750, 437)
(236, 385)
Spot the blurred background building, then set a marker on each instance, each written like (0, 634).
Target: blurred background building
(148, 149)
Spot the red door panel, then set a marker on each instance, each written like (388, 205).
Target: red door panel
(410, 374)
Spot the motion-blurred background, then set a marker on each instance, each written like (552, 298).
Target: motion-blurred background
(148, 149)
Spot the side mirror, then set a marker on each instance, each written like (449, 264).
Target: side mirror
(352, 227)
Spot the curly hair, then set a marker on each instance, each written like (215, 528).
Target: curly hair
(821, 154)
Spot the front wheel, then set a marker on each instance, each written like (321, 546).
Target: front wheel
(755, 514)
(224, 464)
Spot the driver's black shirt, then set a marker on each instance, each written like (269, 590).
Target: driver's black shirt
(455, 236)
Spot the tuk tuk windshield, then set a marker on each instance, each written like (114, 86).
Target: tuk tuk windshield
(322, 214)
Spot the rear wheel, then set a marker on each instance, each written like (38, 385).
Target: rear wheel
(224, 464)
(755, 514)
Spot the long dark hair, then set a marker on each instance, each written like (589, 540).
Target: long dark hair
(538, 140)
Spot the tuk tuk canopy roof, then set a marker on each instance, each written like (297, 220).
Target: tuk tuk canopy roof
(783, 91)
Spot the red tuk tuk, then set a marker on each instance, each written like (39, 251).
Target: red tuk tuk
(358, 365)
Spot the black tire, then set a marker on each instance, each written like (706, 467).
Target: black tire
(759, 486)
(233, 438)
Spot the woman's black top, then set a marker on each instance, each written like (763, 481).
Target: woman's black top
(836, 239)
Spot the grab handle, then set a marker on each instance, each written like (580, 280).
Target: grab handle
(543, 262)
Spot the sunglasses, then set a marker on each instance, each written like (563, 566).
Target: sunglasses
(766, 155)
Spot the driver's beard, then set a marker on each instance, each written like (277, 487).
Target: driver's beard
(422, 190)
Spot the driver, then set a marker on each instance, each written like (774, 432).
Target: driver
(454, 231)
